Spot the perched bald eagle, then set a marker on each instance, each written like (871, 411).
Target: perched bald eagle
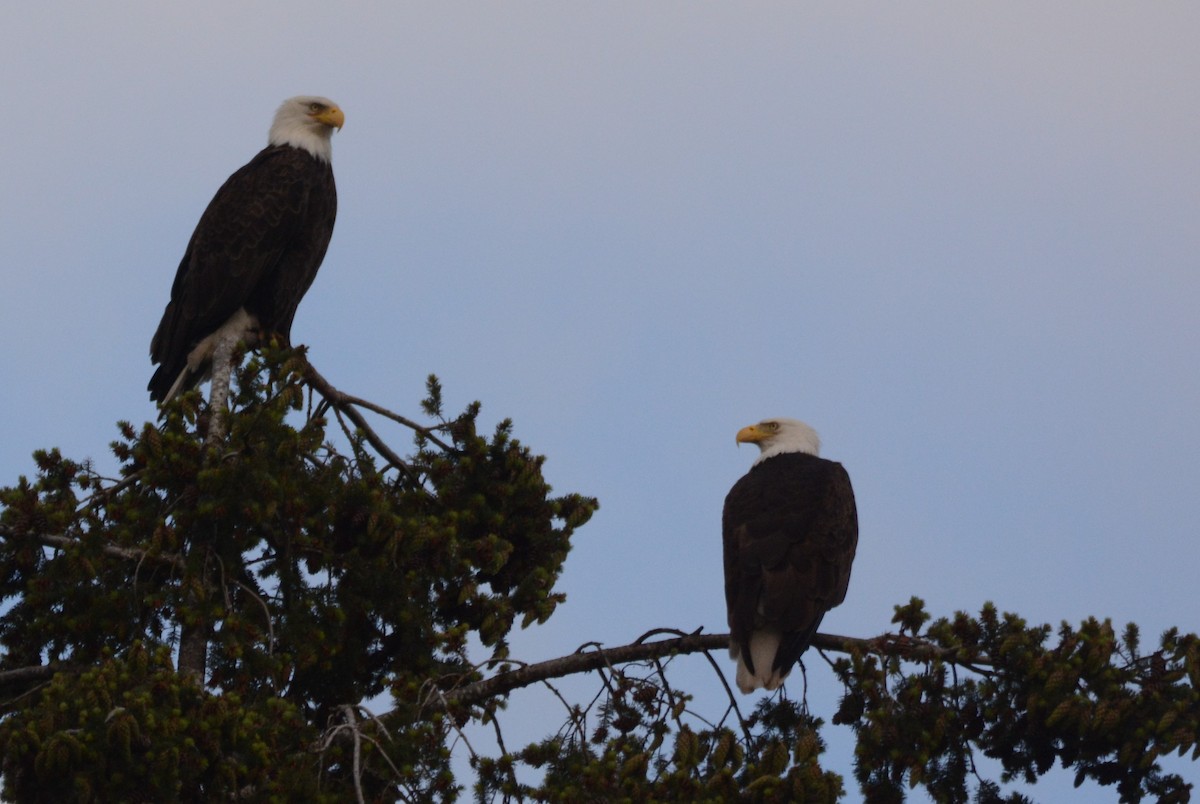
(255, 251)
(790, 529)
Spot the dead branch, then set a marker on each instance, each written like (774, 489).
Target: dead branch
(349, 405)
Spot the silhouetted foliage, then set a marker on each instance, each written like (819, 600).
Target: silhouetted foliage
(321, 577)
(1090, 702)
(338, 578)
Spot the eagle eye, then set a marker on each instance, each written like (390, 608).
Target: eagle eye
(315, 107)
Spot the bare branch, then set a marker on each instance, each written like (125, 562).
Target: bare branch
(128, 553)
(107, 491)
(349, 405)
(595, 659)
(266, 612)
(218, 392)
(352, 722)
(341, 399)
(582, 662)
(341, 403)
(39, 672)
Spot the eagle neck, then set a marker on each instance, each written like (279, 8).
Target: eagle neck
(318, 146)
(771, 452)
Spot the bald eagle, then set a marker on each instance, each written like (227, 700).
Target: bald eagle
(255, 251)
(790, 530)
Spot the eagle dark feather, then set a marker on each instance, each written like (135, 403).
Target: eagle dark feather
(790, 532)
(256, 249)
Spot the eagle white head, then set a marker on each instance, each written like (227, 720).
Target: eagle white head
(777, 436)
(307, 122)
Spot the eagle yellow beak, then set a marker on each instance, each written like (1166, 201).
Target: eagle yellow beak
(751, 435)
(331, 117)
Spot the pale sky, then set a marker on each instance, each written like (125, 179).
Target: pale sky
(958, 240)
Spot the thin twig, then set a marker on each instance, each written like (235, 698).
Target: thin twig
(733, 704)
(441, 696)
(266, 612)
(371, 716)
(577, 718)
(510, 767)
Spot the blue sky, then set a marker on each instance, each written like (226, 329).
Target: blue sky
(959, 240)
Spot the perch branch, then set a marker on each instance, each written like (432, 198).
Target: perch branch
(583, 661)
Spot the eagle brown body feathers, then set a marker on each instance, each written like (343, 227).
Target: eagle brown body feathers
(255, 251)
(790, 532)
(257, 247)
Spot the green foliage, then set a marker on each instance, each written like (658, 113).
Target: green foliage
(322, 578)
(132, 729)
(647, 747)
(1090, 702)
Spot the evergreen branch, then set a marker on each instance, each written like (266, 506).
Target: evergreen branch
(127, 553)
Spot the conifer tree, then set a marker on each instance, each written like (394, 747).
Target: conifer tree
(209, 624)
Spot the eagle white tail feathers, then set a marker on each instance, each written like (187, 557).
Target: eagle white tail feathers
(763, 646)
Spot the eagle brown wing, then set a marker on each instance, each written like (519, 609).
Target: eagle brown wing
(790, 531)
(257, 246)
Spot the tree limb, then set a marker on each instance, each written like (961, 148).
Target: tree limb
(341, 400)
(592, 657)
(218, 392)
(128, 553)
(349, 405)
(37, 672)
(345, 404)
